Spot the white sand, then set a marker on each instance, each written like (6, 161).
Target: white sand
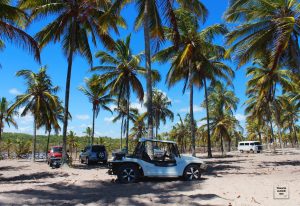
(241, 180)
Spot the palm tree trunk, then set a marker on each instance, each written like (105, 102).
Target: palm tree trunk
(66, 112)
(0, 133)
(148, 67)
(127, 124)
(209, 153)
(277, 115)
(93, 129)
(259, 135)
(34, 140)
(295, 134)
(67, 96)
(291, 134)
(222, 147)
(192, 113)
(156, 124)
(48, 140)
(121, 132)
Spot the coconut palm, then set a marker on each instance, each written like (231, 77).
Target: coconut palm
(39, 100)
(139, 128)
(73, 22)
(289, 115)
(72, 142)
(160, 109)
(121, 114)
(265, 26)
(264, 82)
(98, 97)
(6, 118)
(121, 70)
(12, 20)
(222, 102)
(150, 15)
(52, 121)
(195, 60)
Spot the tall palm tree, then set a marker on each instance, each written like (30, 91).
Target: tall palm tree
(39, 100)
(139, 128)
(12, 19)
(51, 122)
(72, 24)
(160, 108)
(122, 69)
(290, 115)
(6, 117)
(150, 15)
(121, 114)
(88, 131)
(72, 142)
(265, 26)
(195, 59)
(96, 93)
(222, 103)
(264, 82)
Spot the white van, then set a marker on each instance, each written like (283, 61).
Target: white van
(250, 146)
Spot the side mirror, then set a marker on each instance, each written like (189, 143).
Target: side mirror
(48, 151)
(82, 150)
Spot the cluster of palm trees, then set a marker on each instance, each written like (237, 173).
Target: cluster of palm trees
(266, 36)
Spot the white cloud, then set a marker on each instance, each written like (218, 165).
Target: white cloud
(139, 107)
(14, 91)
(201, 123)
(240, 117)
(187, 109)
(82, 116)
(85, 125)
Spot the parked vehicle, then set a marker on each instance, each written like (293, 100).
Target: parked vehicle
(54, 156)
(171, 164)
(93, 153)
(250, 146)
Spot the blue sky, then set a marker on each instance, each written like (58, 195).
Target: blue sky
(14, 59)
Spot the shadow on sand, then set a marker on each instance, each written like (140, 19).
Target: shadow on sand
(157, 191)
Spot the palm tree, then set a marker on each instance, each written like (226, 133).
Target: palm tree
(96, 93)
(72, 142)
(160, 109)
(6, 117)
(139, 128)
(290, 115)
(73, 22)
(263, 82)
(268, 26)
(150, 15)
(121, 69)
(11, 21)
(121, 114)
(52, 121)
(88, 131)
(39, 100)
(195, 60)
(222, 103)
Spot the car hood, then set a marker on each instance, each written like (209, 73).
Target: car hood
(191, 159)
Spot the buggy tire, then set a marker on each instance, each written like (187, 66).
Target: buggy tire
(192, 173)
(128, 173)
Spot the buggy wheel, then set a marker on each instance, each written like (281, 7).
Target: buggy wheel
(128, 174)
(192, 173)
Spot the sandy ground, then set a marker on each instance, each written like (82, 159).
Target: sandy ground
(239, 179)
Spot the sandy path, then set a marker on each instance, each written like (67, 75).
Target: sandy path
(241, 179)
